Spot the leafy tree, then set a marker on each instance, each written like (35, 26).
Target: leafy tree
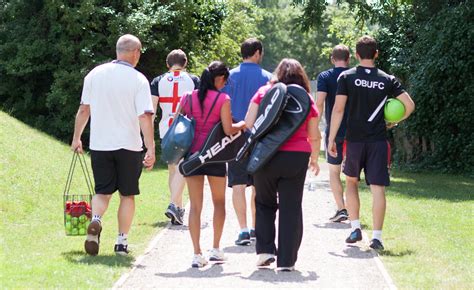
(47, 47)
(241, 19)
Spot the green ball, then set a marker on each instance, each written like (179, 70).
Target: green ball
(74, 232)
(82, 218)
(394, 110)
(74, 221)
(68, 226)
(82, 231)
(68, 217)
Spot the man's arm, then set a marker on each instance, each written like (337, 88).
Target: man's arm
(146, 125)
(80, 123)
(320, 99)
(336, 119)
(408, 103)
(154, 99)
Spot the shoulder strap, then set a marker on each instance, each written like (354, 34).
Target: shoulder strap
(212, 107)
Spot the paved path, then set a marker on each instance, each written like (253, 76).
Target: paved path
(324, 259)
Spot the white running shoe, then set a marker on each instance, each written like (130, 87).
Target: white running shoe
(286, 269)
(199, 261)
(216, 255)
(265, 260)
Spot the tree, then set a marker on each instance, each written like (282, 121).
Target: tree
(47, 47)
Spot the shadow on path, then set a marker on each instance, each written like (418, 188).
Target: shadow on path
(241, 249)
(331, 225)
(354, 252)
(215, 271)
(274, 277)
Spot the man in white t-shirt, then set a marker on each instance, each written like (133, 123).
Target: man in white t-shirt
(117, 99)
(167, 90)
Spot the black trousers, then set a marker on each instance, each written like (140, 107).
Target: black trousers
(279, 186)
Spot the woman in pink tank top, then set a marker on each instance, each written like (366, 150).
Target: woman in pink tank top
(209, 107)
(279, 183)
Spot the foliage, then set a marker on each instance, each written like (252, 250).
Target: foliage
(47, 47)
(241, 22)
(311, 48)
(428, 45)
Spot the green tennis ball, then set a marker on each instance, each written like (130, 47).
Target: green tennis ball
(82, 218)
(82, 231)
(74, 232)
(68, 217)
(74, 221)
(394, 110)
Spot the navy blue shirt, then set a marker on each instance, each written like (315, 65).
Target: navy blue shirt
(243, 83)
(327, 82)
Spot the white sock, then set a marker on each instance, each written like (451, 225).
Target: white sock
(355, 224)
(244, 230)
(122, 239)
(96, 217)
(377, 235)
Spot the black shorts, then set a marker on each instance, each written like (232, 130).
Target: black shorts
(238, 174)
(339, 144)
(211, 169)
(373, 157)
(118, 169)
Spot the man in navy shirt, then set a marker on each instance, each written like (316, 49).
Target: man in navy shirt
(364, 91)
(242, 84)
(326, 96)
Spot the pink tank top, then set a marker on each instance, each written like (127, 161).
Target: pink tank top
(299, 140)
(202, 130)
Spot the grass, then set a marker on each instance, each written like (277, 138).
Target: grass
(428, 230)
(34, 250)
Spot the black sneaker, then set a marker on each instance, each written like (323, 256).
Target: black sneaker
(120, 249)
(243, 239)
(341, 215)
(91, 245)
(174, 214)
(253, 236)
(376, 245)
(355, 236)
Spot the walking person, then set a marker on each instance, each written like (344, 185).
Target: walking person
(117, 99)
(326, 94)
(364, 90)
(167, 90)
(208, 106)
(280, 182)
(244, 81)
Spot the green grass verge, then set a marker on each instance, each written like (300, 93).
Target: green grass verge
(428, 230)
(34, 250)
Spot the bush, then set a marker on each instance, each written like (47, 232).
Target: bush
(47, 47)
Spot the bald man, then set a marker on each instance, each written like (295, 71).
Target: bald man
(117, 98)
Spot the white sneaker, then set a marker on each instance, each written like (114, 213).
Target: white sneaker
(286, 269)
(265, 260)
(199, 261)
(216, 255)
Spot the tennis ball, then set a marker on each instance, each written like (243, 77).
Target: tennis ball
(68, 217)
(394, 110)
(82, 218)
(82, 231)
(74, 232)
(74, 221)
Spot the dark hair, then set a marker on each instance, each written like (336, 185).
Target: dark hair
(177, 57)
(250, 46)
(366, 47)
(340, 52)
(215, 69)
(290, 71)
